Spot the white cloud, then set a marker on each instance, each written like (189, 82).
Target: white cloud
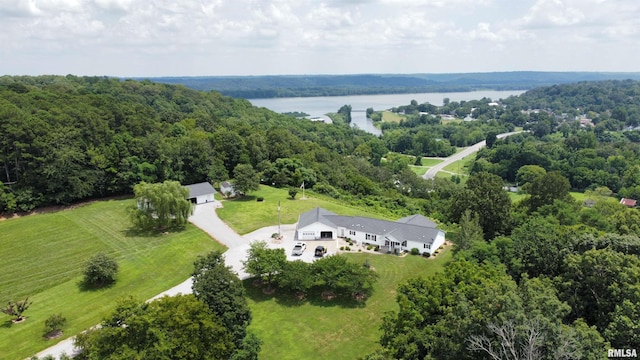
(19, 8)
(334, 36)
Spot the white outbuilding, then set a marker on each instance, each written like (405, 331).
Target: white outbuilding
(201, 193)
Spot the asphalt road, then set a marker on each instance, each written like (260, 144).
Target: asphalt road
(431, 173)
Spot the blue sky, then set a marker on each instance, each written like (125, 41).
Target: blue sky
(276, 37)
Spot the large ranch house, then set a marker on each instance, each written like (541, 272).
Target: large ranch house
(415, 231)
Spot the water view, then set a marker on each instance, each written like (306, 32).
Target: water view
(317, 107)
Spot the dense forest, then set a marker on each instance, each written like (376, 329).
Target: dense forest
(253, 87)
(546, 277)
(69, 138)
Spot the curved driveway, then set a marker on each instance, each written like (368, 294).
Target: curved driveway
(206, 218)
(431, 173)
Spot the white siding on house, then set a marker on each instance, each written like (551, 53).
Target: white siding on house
(202, 199)
(407, 233)
(437, 242)
(314, 231)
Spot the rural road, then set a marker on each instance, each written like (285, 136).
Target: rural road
(431, 173)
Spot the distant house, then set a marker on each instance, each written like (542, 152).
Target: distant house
(201, 193)
(628, 202)
(226, 188)
(410, 232)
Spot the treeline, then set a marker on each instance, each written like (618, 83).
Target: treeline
(253, 87)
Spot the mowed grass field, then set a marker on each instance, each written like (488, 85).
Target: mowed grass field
(43, 258)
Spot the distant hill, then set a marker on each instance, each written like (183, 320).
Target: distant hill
(253, 87)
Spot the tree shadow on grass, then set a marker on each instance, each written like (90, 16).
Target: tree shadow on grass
(86, 286)
(245, 198)
(291, 299)
(316, 298)
(6, 324)
(153, 233)
(257, 294)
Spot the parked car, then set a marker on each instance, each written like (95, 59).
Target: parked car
(299, 248)
(320, 251)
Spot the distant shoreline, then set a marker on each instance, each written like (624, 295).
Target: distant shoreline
(281, 86)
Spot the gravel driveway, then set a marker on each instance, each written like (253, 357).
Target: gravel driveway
(206, 218)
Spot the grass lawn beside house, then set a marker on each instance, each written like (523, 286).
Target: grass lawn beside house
(44, 256)
(317, 329)
(246, 214)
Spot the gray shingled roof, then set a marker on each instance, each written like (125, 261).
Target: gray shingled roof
(199, 189)
(414, 228)
(315, 215)
(417, 219)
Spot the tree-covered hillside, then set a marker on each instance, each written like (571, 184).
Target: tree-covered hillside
(252, 87)
(71, 138)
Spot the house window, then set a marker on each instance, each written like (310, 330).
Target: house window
(308, 233)
(404, 243)
(427, 246)
(351, 232)
(370, 237)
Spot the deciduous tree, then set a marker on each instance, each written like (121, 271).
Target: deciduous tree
(484, 195)
(173, 327)
(545, 189)
(217, 286)
(296, 276)
(264, 262)
(245, 179)
(469, 230)
(101, 269)
(161, 205)
(16, 309)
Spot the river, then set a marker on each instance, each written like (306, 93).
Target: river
(319, 106)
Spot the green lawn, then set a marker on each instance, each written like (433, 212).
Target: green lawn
(419, 170)
(429, 162)
(317, 329)
(245, 215)
(515, 197)
(461, 166)
(391, 116)
(44, 255)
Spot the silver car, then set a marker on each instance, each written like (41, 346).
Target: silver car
(299, 248)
